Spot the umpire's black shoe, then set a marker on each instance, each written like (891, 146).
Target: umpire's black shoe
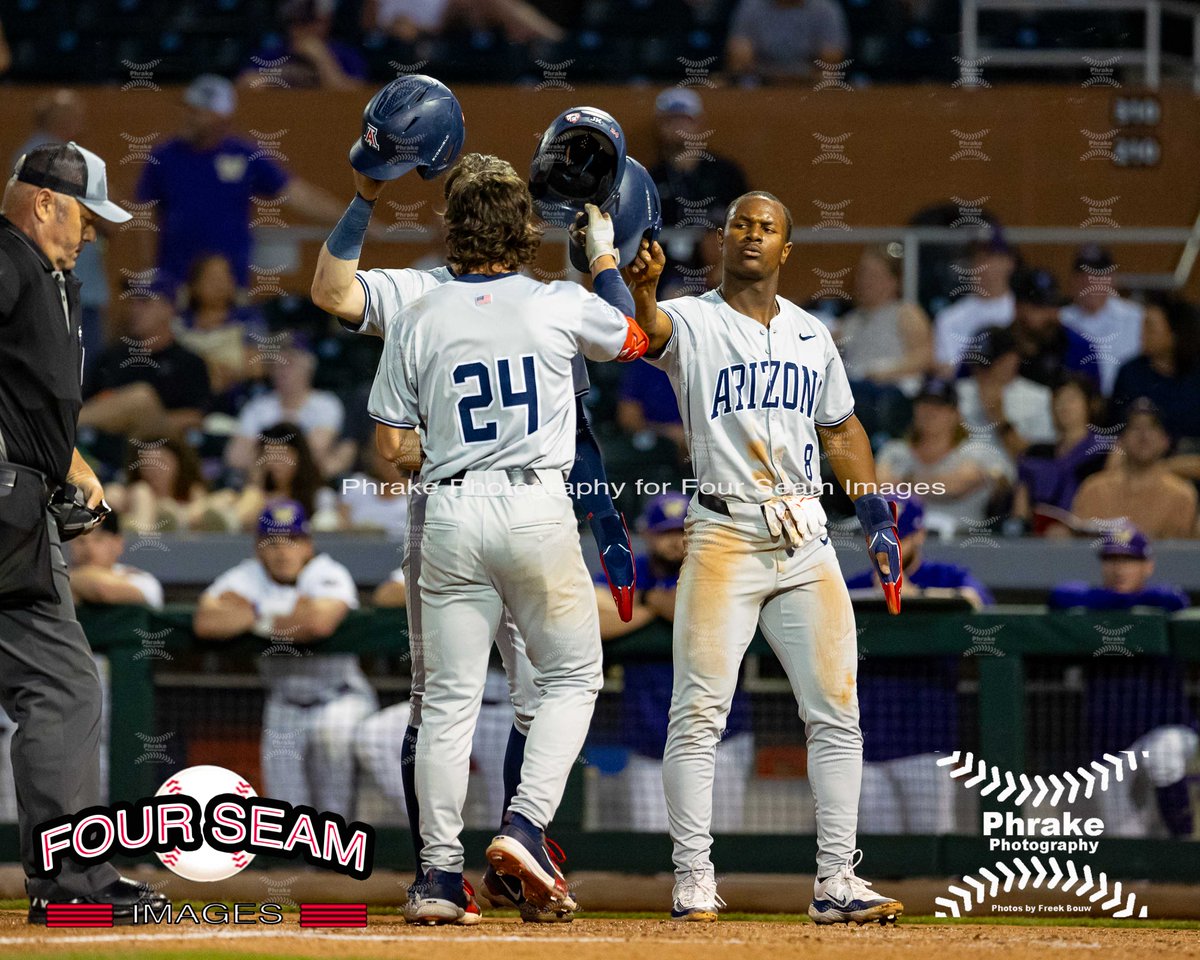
(123, 894)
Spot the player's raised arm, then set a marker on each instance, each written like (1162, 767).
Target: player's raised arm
(334, 288)
(644, 272)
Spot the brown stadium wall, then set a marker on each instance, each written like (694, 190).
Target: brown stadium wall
(901, 149)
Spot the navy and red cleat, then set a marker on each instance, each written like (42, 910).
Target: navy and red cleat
(519, 850)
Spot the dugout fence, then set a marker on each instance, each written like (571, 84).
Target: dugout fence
(1023, 693)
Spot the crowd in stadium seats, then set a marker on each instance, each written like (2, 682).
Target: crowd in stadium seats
(337, 43)
(1038, 412)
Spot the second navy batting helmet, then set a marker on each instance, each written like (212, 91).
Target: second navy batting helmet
(636, 214)
(413, 122)
(579, 159)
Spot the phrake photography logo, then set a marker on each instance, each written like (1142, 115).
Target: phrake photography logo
(1021, 840)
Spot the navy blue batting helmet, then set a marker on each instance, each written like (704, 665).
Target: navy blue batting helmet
(413, 122)
(636, 214)
(579, 159)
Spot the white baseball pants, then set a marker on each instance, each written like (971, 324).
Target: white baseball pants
(736, 577)
(488, 545)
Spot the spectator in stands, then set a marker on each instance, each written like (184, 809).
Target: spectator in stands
(647, 408)
(884, 340)
(223, 332)
(694, 183)
(1126, 566)
(305, 57)
(318, 413)
(288, 594)
(283, 466)
(924, 578)
(1141, 702)
(1049, 474)
(60, 117)
(409, 20)
(1136, 487)
(381, 734)
(903, 789)
(1112, 325)
(202, 184)
(164, 488)
(700, 270)
(98, 577)
(1168, 370)
(781, 39)
(988, 301)
(646, 694)
(146, 384)
(969, 473)
(1049, 351)
(995, 401)
(375, 498)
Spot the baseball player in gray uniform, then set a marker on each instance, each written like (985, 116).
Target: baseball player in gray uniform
(482, 369)
(763, 393)
(371, 302)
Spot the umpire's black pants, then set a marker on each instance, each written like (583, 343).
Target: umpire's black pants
(50, 688)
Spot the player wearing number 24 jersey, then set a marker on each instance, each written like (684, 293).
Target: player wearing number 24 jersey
(478, 383)
(760, 390)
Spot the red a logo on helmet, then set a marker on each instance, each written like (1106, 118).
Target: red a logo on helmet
(371, 136)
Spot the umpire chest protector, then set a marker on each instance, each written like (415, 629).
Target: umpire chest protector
(41, 356)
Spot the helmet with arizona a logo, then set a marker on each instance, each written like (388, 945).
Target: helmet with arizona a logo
(414, 122)
(580, 159)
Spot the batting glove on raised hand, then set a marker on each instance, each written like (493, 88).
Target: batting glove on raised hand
(801, 519)
(616, 557)
(877, 517)
(600, 234)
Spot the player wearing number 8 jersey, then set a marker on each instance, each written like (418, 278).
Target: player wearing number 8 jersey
(762, 390)
(481, 366)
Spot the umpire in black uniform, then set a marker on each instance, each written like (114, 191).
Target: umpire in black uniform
(48, 680)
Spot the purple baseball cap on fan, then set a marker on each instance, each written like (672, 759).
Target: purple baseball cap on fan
(665, 512)
(1126, 542)
(283, 518)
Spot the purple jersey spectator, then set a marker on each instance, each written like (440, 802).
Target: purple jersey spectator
(1054, 480)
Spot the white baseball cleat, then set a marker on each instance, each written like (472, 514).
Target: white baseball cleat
(695, 897)
(847, 898)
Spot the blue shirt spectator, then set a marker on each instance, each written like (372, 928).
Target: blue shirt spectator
(204, 181)
(1167, 372)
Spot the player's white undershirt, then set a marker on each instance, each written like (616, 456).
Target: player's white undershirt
(751, 397)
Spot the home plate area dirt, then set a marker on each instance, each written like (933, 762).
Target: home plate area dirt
(600, 939)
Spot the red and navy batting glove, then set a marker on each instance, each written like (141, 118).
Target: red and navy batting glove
(616, 556)
(877, 517)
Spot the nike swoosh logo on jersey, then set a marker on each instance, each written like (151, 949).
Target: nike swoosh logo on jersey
(803, 337)
(825, 541)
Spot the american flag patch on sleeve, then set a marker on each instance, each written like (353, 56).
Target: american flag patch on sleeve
(483, 300)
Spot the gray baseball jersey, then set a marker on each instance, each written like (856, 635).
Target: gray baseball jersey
(389, 292)
(484, 369)
(751, 397)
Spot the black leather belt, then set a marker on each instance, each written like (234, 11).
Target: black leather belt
(715, 504)
(515, 475)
